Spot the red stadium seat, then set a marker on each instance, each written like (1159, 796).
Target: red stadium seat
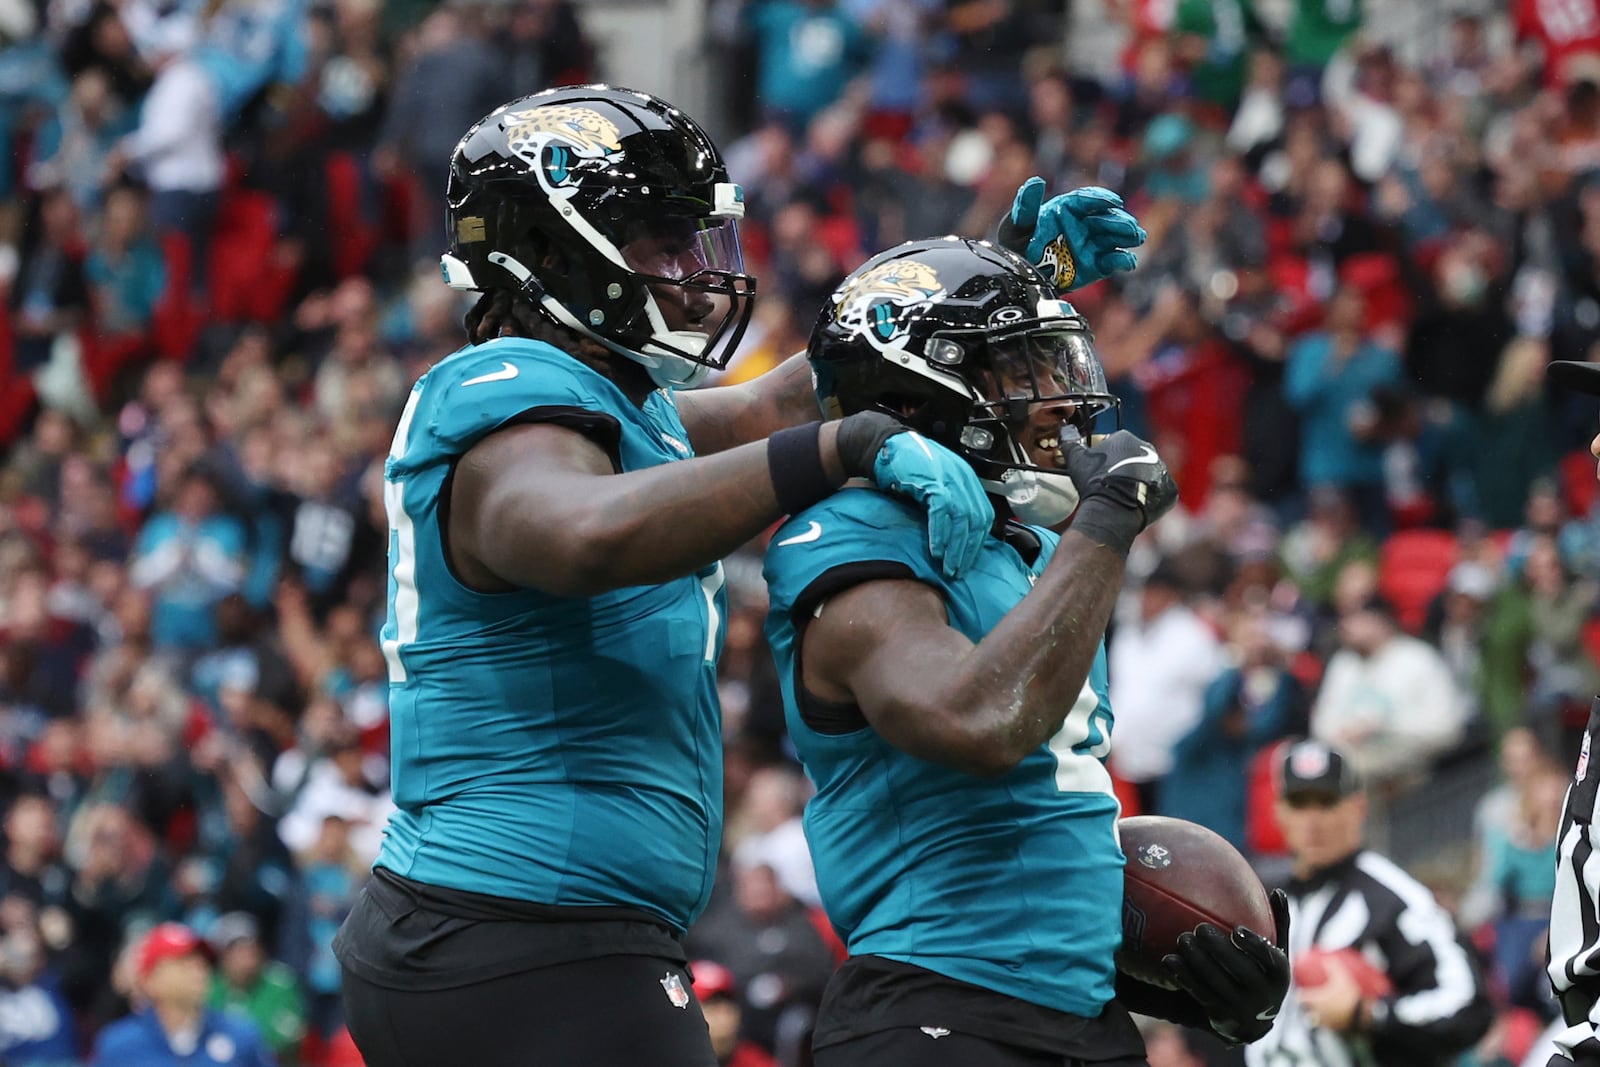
(247, 283)
(1261, 830)
(1413, 567)
(175, 325)
(354, 239)
(1578, 483)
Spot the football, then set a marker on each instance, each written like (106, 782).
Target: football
(1179, 875)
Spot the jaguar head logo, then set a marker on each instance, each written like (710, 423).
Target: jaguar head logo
(1057, 264)
(879, 304)
(555, 136)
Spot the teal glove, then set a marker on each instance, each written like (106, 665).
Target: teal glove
(959, 513)
(898, 460)
(1076, 238)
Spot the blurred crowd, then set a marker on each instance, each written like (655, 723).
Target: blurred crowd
(218, 224)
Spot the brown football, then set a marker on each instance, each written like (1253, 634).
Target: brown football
(1179, 875)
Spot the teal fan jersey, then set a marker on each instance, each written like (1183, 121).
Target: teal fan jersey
(561, 750)
(1012, 883)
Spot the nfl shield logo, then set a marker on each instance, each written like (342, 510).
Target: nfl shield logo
(1583, 758)
(675, 991)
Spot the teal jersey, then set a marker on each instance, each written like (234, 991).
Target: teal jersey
(560, 750)
(1012, 883)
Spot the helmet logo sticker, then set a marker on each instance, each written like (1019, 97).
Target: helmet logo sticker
(552, 138)
(880, 304)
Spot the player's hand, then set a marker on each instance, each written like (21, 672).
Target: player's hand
(1126, 471)
(1075, 238)
(902, 461)
(1239, 981)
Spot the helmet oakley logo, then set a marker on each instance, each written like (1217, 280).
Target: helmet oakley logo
(1057, 264)
(880, 304)
(555, 138)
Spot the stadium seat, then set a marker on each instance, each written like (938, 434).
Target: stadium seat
(1413, 567)
(354, 239)
(1578, 483)
(1261, 829)
(176, 323)
(247, 282)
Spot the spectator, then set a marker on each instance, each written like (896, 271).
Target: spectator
(328, 888)
(125, 271)
(75, 148)
(1161, 663)
(37, 1028)
(249, 982)
(177, 146)
(1388, 699)
(1330, 379)
(809, 50)
(49, 297)
(773, 833)
(189, 558)
(177, 1028)
(450, 84)
(1249, 705)
(772, 945)
(31, 867)
(718, 995)
(1564, 674)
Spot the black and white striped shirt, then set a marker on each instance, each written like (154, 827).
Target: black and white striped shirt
(1439, 1006)
(1574, 913)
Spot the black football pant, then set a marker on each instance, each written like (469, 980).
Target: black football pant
(910, 1046)
(608, 1012)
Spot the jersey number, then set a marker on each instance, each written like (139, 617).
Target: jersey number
(1081, 746)
(400, 628)
(710, 586)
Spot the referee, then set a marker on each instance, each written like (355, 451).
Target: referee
(1575, 911)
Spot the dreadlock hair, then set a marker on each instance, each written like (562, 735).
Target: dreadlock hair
(506, 312)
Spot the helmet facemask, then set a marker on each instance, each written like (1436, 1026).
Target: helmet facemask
(1037, 387)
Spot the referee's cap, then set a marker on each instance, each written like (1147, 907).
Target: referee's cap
(1577, 376)
(1311, 767)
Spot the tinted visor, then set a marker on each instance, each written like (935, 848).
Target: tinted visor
(694, 268)
(1045, 365)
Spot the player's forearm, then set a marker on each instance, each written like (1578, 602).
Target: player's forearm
(729, 416)
(1025, 675)
(642, 527)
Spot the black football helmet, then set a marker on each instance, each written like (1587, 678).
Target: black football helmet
(958, 339)
(602, 204)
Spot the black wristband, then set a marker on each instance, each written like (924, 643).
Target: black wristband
(861, 437)
(1107, 523)
(794, 462)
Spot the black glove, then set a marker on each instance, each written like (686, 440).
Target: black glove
(1124, 486)
(1238, 981)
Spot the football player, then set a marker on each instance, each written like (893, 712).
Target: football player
(557, 511)
(964, 827)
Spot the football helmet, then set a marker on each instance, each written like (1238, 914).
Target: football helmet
(964, 341)
(612, 211)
